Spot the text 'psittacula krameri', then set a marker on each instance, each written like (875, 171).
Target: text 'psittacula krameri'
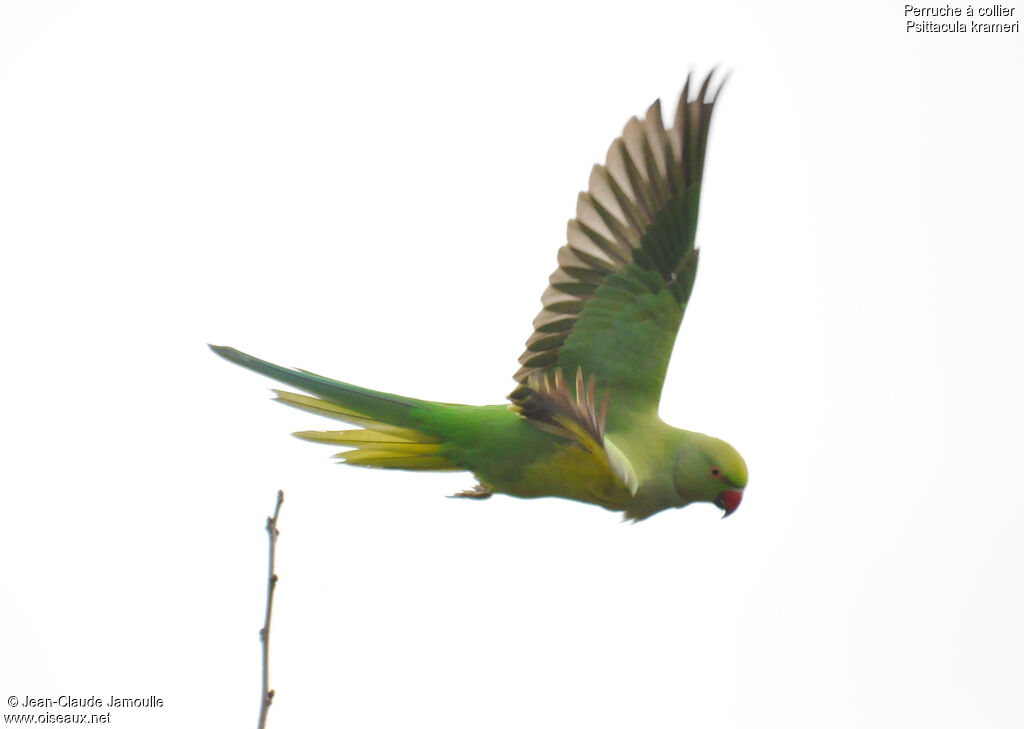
(583, 422)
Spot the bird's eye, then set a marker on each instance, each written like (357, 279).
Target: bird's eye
(716, 472)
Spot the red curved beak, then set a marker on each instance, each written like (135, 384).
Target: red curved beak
(729, 501)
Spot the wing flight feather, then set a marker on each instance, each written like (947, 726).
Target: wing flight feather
(613, 306)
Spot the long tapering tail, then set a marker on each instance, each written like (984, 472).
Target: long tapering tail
(392, 434)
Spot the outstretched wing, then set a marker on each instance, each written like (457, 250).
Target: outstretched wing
(615, 303)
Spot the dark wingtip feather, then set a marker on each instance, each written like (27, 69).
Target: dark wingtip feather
(721, 84)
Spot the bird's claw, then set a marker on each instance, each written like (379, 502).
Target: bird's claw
(477, 492)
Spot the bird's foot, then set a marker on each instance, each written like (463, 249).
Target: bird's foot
(477, 492)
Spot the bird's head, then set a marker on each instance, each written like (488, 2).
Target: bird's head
(709, 469)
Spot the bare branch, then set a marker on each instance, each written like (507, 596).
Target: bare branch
(267, 695)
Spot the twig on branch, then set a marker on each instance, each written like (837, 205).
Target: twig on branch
(267, 696)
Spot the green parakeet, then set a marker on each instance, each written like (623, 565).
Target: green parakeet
(583, 421)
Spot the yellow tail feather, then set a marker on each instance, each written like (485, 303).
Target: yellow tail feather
(377, 444)
(387, 459)
(369, 436)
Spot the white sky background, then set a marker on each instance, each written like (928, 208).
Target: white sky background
(378, 195)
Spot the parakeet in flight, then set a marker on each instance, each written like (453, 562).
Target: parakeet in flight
(583, 421)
